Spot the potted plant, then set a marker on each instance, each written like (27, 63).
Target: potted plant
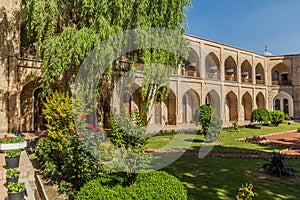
(9, 143)
(16, 191)
(12, 175)
(12, 158)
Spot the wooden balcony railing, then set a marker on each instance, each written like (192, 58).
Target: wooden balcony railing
(246, 80)
(281, 82)
(230, 78)
(261, 82)
(191, 73)
(213, 76)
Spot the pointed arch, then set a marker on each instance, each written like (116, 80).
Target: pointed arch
(212, 66)
(231, 107)
(281, 74)
(283, 102)
(190, 103)
(246, 72)
(247, 105)
(230, 69)
(213, 99)
(191, 64)
(260, 100)
(31, 107)
(165, 110)
(259, 74)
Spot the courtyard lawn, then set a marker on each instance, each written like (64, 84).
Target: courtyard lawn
(226, 141)
(219, 178)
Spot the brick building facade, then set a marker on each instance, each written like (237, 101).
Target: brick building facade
(232, 80)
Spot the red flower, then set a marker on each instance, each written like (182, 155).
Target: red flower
(79, 136)
(5, 136)
(83, 117)
(70, 188)
(71, 131)
(91, 126)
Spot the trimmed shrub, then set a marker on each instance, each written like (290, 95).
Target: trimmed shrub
(210, 122)
(260, 115)
(149, 185)
(278, 166)
(277, 117)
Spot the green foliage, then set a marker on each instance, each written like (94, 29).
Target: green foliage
(167, 132)
(12, 173)
(58, 112)
(67, 32)
(13, 153)
(62, 153)
(15, 187)
(10, 140)
(260, 115)
(276, 117)
(278, 165)
(235, 126)
(202, 116)
(298, 130)
(106, 151)
(130, 136)
(148, 185)
(210, 122)
(72, 162)
(245, 192)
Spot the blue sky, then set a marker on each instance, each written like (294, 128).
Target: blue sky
(248, 24)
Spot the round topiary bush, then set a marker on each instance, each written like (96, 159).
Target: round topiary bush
(149, 185)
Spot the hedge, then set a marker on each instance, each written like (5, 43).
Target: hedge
(149, 185)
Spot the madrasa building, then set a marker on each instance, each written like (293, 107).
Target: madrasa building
(232, 80)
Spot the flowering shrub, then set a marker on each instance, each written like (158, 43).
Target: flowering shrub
(63, 154)
(245, 192)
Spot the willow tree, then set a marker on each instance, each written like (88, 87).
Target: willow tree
(67, 31)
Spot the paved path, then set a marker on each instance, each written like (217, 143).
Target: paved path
(27, 175)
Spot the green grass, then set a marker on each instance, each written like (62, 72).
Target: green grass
(225, 142)
(219, 178)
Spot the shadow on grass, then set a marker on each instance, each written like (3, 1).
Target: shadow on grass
(219, 178)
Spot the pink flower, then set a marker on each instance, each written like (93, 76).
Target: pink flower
(98, 128)
(91, 126)
(83, 117)
(79, 136)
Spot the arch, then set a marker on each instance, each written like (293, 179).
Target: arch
(126, 103)
(231, 107)
(260, 100)
(30, 107)
(230, 69)
(212, 66)
(213, 99)
(190, 103)
(165, 109)
(259, 74)
(281, 74)
(191, 64)
(246, 72)
(283, 102)
(247, 105)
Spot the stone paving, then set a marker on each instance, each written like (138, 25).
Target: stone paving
(27, 176)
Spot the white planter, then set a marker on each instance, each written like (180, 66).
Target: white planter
(21, 145)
